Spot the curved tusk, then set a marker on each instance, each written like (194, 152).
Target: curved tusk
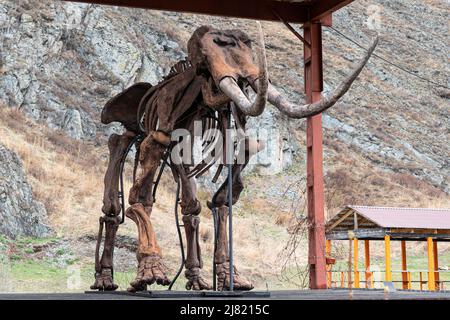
(308, 110)
(229, 86)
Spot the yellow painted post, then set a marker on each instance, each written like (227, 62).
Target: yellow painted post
(431, 282)
(409, 280)
(421, 280)
(367, 263)
(328, 247)
(387, 256)
(355, 262)
(404, 266)
(328, 254)
(436, 264)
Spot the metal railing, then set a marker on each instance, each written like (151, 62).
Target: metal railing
(375, 279)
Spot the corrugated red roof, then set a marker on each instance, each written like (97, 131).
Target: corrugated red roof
(418, 218)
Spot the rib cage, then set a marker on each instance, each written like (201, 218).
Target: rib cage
(212, 122)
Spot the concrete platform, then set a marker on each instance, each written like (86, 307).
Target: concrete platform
(332, 294)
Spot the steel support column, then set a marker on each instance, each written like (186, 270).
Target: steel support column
(436, 265)
(404, 266)
(368, 274)
(329, 272)
(431, 279)
(313, 89)
(387, 257)
(356, 262)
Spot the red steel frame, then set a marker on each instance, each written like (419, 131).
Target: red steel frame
(298, 12)
(315, 193)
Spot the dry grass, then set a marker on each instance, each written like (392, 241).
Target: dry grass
(353, 179)
(64, 173)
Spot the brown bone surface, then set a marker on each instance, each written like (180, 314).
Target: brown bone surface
(117, 145)
(151, 268)
(215, 78)
(222, 260)
(104, 274)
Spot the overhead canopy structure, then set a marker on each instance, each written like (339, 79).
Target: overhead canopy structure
(298, 11)
(373, 223)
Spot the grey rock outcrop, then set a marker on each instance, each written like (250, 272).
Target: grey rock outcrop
(60, 62)
(72, 124)
(63, 64)
(20, 213)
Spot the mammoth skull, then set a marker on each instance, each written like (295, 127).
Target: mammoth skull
(225, 58)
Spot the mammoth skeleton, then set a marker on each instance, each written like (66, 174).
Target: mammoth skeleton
(212, 83)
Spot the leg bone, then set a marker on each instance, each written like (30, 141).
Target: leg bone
(151, 268)
(117, 145)
(222, 259)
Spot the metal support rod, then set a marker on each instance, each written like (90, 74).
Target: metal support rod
(306, 43)
(216, 230)
(180, 237)
(121, 193)
(229, 184)
(214, 212)
(315, 189)
(230, 157)
(164, 162)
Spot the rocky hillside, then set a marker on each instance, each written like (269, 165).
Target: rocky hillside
(20, 214)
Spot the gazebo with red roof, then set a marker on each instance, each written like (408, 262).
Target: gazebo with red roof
(356, 223)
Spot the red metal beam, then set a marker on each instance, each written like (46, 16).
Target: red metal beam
(322, 8)
(314, 162)
(297, 12)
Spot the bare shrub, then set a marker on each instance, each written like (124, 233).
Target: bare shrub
(294, 267)
(283, 219)
(411, 182)
(342, 188)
